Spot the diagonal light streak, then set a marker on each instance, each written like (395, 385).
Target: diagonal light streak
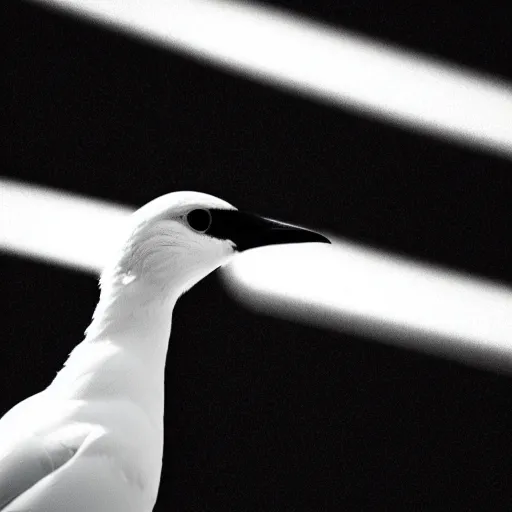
(341, 287)
(349, 287)
(58, 227)
(317, 61)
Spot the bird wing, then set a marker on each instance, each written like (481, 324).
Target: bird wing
(71, 466)
(32, 459)
(84, 476)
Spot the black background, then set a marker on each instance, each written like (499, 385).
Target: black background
(261, 413)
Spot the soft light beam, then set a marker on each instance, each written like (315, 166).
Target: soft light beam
(349, 287)
(312, 59)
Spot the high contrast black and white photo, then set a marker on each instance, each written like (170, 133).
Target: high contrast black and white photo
(255, 256)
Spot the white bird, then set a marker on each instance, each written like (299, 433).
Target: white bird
(92, 441)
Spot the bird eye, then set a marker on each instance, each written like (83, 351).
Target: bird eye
(199, 220)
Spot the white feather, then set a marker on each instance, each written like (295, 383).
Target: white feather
(93, 440)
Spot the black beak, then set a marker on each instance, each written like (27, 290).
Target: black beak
(247, 230)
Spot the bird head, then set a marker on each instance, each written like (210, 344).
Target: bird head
(179, 238)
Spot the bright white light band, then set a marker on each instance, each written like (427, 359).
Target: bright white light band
(336, 66)
(342, 286)
(57, 227)
(348, 287)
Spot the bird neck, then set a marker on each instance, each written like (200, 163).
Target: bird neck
(133, 313)
(123, 354)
